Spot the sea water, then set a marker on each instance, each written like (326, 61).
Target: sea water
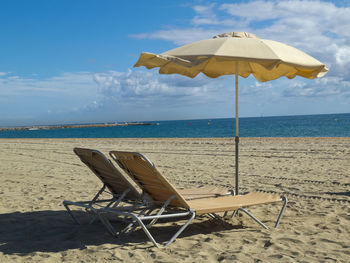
(326, 125)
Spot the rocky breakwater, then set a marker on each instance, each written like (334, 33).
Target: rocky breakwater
(68, 126)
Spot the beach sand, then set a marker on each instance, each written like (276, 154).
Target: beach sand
(314, 173)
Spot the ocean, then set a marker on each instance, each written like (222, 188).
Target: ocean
(325, 125)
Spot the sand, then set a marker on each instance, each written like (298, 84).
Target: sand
(38, 174)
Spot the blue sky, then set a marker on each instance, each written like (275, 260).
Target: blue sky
(64, 61)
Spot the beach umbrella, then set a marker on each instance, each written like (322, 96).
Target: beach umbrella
(239, 54)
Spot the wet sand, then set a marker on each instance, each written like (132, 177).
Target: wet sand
(314, 173)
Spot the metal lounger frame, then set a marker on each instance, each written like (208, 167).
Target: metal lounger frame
(96, 204)
(138, 219)
(90, 205)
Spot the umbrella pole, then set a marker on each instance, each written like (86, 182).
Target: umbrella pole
(237, 127)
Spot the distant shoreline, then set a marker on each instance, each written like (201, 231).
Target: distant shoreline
(69, 126)
(289, 126)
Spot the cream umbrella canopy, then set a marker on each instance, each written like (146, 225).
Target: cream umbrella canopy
(239, 54)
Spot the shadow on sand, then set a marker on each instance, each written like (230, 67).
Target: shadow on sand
(54, 231)
(339, 193)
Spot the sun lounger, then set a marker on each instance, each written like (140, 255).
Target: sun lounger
(121, 188)
(169, 199)
(117, 185)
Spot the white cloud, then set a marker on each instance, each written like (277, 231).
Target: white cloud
(67, 83)
(27, 99)
(319, 28)
(179, 36)
(205, 15)
(343, 55)
(141, 86)
(326, 87)
(3, 73)
(254, 10)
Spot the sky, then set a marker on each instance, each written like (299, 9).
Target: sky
(64, 61)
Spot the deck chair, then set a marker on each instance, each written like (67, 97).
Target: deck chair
(121, 188)
(114, 183)
(172, 204)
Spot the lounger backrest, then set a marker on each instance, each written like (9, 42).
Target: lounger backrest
(102, 167)
(144, 173)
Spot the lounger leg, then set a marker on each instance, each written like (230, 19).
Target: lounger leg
(87, 207)
(121, 197)
(149, 235)
(161, 210)
(70, 212)
(127, 230)
(131, 227)
(285, 199)
(212, 215)
(107, 224)
(140, 219)
(180, 230)
(234, 213)
(84, 204)
(217, 217)
(97, 195)
(114, 201)
(94, 200)
(253, 217)
(93, 219)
